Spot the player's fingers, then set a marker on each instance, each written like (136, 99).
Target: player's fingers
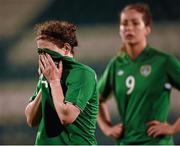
(50, 61)
(154, 122)
(46, 60)
(41, 65)
(42, 61)
(116, 135)
(151, 130)
(60, 66)
(157, 133)
(39, 70)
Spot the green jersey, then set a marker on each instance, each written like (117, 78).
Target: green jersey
(80, 89)
(142, 89)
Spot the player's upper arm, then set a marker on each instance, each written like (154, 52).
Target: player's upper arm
(173, 69)
(72, 114)
(38, 87)
(81, 87)
(105, 82)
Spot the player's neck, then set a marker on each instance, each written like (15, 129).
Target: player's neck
(134, 50)
(69, 55)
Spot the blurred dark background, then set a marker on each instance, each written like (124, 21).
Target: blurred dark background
(99, 40)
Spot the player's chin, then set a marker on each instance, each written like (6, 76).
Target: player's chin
(131, 41)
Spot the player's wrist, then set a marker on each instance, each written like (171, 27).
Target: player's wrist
(174, 129)
(107, 130)
(54, 82)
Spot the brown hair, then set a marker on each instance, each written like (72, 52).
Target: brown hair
(141, 8)
(57, 32)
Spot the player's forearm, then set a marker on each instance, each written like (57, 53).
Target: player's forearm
(176, 126)
(33, 111)
(62, 109)
(103, 117)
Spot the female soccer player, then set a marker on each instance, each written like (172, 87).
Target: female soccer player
(65, 103)
(141, 79)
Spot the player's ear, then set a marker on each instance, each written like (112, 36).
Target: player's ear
(67, 48)
(148, 30)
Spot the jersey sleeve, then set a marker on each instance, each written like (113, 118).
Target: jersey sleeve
(173, 69)
(105, 82)
(81, 85)
(38, 87)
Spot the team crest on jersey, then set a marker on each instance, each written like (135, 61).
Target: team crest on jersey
(120, 72)
(145, 70)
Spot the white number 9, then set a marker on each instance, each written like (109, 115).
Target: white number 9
(130, 83)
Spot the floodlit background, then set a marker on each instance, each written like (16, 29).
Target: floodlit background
(97, 22)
